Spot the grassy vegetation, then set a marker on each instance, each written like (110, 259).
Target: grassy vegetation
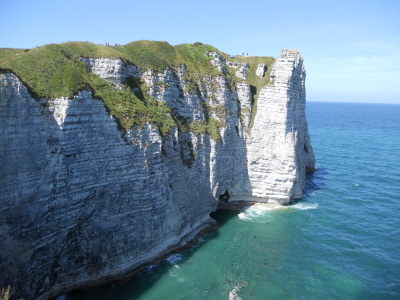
(9, 52)
(46, 71)
(54, 70)
(210, 126)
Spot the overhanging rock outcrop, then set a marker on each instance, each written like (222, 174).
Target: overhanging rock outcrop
(84, 202)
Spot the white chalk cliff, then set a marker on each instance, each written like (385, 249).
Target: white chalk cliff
(84, 202)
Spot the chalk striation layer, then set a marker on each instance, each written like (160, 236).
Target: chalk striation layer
(84, 203)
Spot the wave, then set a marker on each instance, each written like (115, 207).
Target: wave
(175, 259)
(258, 212)
(262, 213)
(233, 294)
(304, 205)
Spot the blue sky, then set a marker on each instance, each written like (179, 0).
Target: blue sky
(351, 48)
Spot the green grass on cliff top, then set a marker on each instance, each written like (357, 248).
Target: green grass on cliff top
(6, 53)
(53, 71)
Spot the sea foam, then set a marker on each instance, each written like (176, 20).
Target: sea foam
(260, 212)
(175, 259)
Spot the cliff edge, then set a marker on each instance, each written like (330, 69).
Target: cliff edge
(110, 161)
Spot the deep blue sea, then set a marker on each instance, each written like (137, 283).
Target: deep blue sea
(341, 241)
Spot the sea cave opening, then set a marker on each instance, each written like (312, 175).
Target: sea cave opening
(224, 197)
(223, 213)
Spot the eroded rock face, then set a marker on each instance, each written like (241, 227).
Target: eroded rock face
(261, 69)
(113, 70)
(241, 69)
(218, 61)
(83, 203)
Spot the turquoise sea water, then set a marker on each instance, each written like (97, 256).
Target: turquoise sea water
(341, 241)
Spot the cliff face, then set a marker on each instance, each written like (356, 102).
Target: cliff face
(279, 151)
(84, 202)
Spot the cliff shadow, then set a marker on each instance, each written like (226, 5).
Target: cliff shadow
(29, 148)
(231, 159)
(142, 283)
(314, 181)
(156, 274)
(253, 91)
(222, 216)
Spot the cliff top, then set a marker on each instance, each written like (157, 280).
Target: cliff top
(54, 70)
